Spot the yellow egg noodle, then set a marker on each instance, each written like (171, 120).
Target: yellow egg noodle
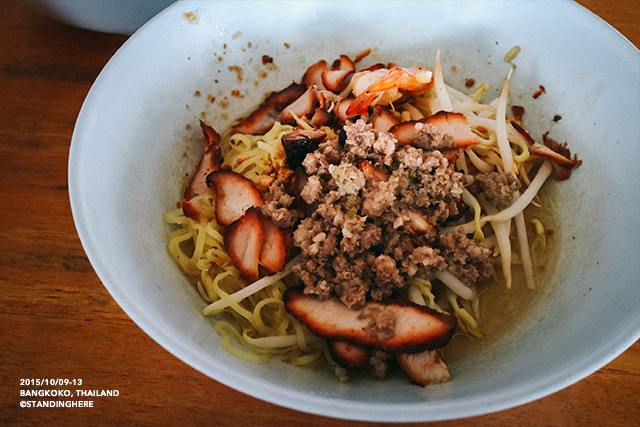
(198, 248)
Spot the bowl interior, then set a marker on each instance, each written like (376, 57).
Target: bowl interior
(138, 135)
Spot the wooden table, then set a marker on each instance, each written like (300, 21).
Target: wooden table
(58, 321)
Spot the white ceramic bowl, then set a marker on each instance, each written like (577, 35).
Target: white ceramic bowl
(126, 166)
(109, 16)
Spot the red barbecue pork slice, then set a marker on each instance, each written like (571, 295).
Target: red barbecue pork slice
(441, 123)
(560, 157)
(253, 241)
(335, 79)
(313, 75)
(321, 117)
(211, 161)
(558, 154)
(382, 119)
(234, 194)
(349, 356)
(263, 119)
(193, 208)
(243, 241)
(340, 110)
(273, 254)
(390, 326)
(424, 368)
(301, 107)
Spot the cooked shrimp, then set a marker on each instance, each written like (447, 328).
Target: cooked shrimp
(384, 86)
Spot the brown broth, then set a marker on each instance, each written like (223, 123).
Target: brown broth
(501, 309)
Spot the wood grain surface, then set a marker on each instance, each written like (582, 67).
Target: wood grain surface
(58, 321)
